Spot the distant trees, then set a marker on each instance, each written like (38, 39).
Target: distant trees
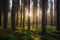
(33, 16)
(58, 14)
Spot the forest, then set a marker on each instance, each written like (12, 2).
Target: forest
(29, 20)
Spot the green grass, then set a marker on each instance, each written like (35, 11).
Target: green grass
(50, 28)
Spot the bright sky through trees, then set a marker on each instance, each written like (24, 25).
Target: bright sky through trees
(49, 5)
(10, 4)
(38, 10)
(31, 8)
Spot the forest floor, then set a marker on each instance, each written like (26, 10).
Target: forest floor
(32, 34)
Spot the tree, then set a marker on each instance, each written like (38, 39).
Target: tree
(34, 14)
(28, 4)
(13, 23)
(58, 14)
(44, 2)
(40, 8)
(51, 10)
(0, 11)
(23, 10)
(55, 13)
(21, 14)
(5, 7)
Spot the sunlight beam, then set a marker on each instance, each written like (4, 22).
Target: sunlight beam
(31, 8)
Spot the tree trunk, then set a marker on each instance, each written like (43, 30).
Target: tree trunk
(21, 14)
(13, 23)
(44, 16)
(33, 16)
(17, 11)
(36, 14)
(23, 10)
(55, 13)
(6, 6)
(51, 10)
(58, 14)
(28, 3)
(0, 11)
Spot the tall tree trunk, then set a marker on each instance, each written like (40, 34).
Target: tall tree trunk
(58, 14)
(36, 14)
(51, 10)
(23, 10)
(55, 13)
(13, 23)
(17, 4)
(40, 6)
(0, 11)
(43, 16)
(28, 14)
(6, 4)
(21, 14)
